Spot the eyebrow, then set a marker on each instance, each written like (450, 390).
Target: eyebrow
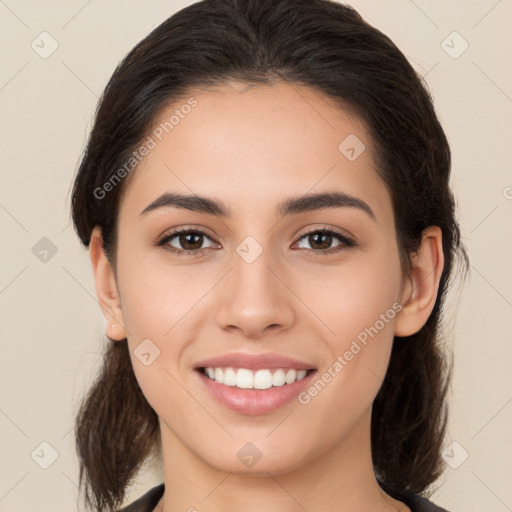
(292, 205)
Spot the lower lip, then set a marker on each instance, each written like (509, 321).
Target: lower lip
(255, 401)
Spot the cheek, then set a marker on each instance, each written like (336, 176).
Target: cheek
(358, 304)
(157, 306)
(156, 295)
(160, 303)
(351, 296)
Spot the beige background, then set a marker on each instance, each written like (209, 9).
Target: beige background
(51, 323)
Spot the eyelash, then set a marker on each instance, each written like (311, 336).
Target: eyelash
(162, 241)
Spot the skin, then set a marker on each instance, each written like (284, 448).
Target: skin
(253, 147)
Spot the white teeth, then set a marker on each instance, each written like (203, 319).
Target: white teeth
(279, 378)
(291, 375)
(229, 377)
(244, 378)
(260, 379)
(301, 374)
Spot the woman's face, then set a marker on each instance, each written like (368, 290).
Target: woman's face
(260, 284)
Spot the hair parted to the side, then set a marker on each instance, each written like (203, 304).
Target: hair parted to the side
(329, 47)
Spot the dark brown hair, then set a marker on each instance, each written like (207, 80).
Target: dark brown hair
(329, 47)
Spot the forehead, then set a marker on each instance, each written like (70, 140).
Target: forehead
(252, 146)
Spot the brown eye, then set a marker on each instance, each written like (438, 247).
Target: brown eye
(190, 240)
(321, 241)
(186, 242)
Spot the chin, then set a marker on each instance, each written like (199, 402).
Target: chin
(260, 465)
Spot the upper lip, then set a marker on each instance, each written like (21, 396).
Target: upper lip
(254, 362)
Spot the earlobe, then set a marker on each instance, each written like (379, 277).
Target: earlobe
(106, 287)
(420, 293)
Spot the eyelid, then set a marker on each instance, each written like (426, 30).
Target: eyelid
(336, 231)
(171, 232)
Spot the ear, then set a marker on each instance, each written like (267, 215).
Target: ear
(420, 291)
(106, 287)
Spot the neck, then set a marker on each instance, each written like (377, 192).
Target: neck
(340, 478)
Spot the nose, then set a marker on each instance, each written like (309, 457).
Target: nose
(254, 298)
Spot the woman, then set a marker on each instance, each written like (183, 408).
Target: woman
(265, 198)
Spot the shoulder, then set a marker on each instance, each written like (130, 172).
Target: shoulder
(147, 502)
(415, 502)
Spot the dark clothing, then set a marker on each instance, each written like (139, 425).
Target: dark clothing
(413, 501)
(148, 501)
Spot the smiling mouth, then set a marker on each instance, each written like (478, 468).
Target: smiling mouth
(263, 378)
